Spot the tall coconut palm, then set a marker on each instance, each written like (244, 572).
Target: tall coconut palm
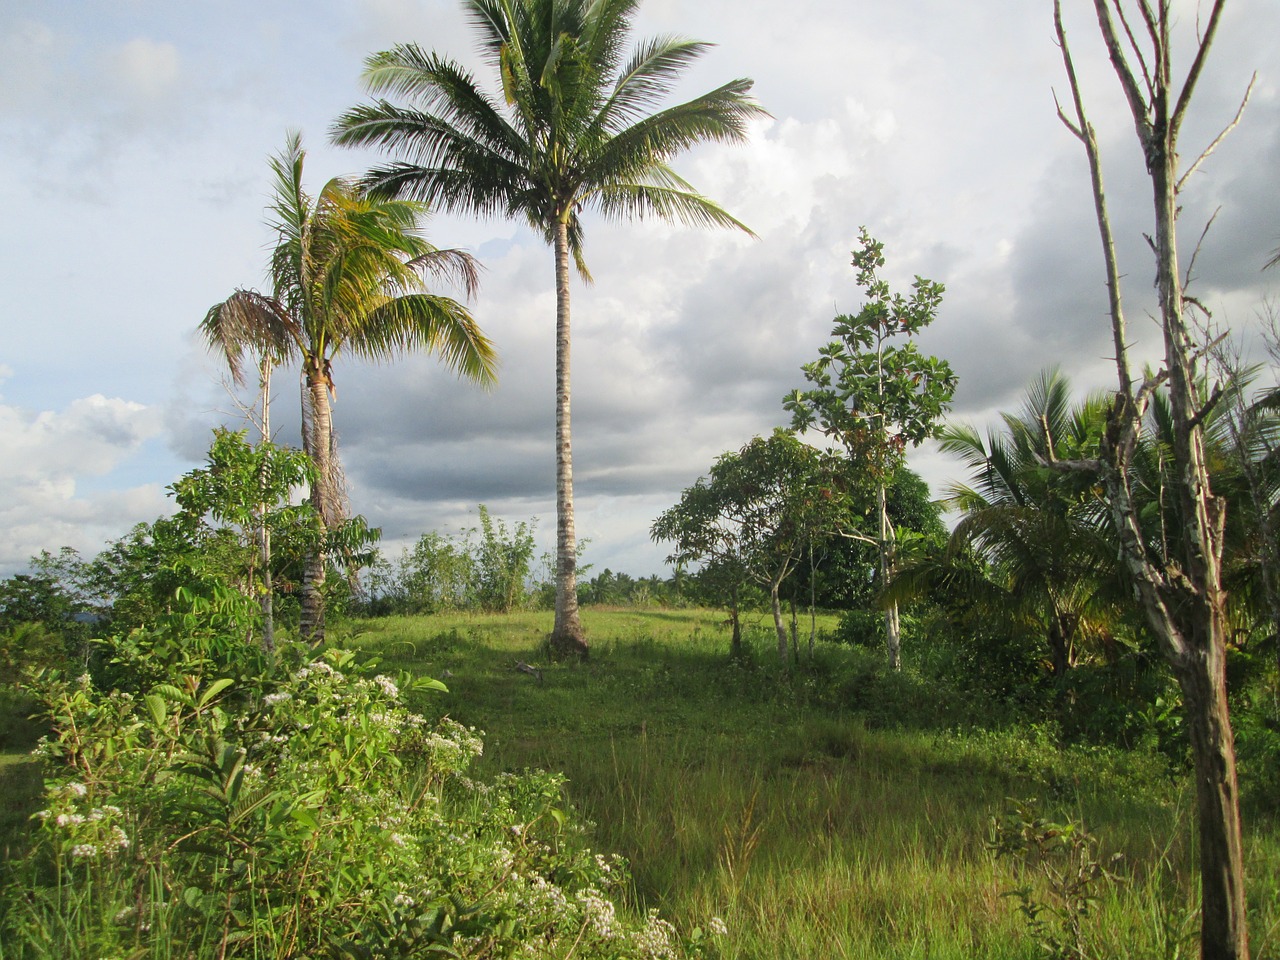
(570, 127)
(348, 276)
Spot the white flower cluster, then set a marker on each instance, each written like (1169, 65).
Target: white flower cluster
(90, 834)
(388, 686)
(454, 746)
(114, 842)
(319, 668)
(656, 939)
(546, 895)
(599, 913)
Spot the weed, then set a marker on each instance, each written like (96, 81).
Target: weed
(1063, 877)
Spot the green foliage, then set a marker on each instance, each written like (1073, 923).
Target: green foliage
(1063, 878)
(304, 810)
(206, 552)
(874, 396)
(582, 121)
(243, 485)
(756, 514)
(1255, 719)
(488, 568)
(503, 561)
(848, 568)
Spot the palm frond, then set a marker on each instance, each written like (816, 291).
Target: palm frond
(250, 321)
(625, 201)
(648, 77)
(430, 323)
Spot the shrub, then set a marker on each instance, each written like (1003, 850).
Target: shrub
(302, 812)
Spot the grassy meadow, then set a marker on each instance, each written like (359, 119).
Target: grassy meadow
(829, 810)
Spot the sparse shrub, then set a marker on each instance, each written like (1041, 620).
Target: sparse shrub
(1061, 877)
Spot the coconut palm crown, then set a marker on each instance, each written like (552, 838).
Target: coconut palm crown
(574, 122)
(348, 275)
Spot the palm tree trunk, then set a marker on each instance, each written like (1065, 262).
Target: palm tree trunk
(317, 438)
(266, 599)
(567, 634)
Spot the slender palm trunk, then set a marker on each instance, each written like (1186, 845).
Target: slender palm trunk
(567, 634)
(266, 599)
(318, 439)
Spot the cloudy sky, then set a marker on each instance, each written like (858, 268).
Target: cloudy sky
(134, 139)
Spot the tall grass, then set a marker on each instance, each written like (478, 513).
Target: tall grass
(824, 809)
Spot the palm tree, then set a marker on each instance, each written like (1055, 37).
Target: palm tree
(1040, 530)
(572, 129)
(348, 275)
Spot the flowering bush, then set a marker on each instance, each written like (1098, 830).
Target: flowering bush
(306, 814)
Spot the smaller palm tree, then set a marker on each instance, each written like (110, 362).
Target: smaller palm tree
(1041, 531)
(348, 276)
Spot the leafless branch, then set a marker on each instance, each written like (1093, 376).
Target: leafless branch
(1065, 466)
(1066, 121)
(1133, 40)
(1193, 75)
(1138, 105)
(1186, 277)
(1206, 408)
(1204, 155)
(1086, 135)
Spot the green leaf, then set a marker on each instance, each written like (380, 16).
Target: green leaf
(156, 707)
(215, 688)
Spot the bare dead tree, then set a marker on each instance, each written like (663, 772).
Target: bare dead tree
(1180, 590)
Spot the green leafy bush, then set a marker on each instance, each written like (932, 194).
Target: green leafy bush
(304, 812)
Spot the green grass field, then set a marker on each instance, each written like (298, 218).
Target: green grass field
(797, 806)
(825, 810)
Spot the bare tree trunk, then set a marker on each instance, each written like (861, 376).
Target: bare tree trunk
(566, 635)
(888, 560)
(318, 440)
(1181, 596)
(775, 604)
(735, 639)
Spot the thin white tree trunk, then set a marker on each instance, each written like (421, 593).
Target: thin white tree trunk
(567, 634)
(892, 627)
(778, 624)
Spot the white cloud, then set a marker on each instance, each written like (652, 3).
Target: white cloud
(46, 456)
(143, 69)
(28, 51)
(137, 151)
